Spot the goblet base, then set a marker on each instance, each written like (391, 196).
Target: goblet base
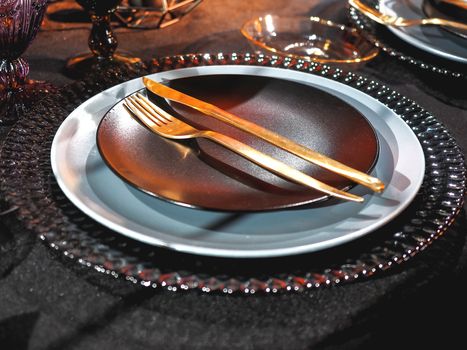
(15, 102)
(84, 64)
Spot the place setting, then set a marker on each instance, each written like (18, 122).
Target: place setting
(428, 34)
(280, 171)
(106, 162)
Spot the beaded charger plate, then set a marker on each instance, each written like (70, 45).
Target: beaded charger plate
(27, 184)
(394, 46)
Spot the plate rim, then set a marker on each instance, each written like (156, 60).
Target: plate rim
(213, 251)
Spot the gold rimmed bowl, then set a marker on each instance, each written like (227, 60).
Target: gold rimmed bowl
(309, 38)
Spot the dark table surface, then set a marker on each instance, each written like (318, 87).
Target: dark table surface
(48, 303)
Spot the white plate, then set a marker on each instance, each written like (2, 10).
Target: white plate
(432, 39)
(98, 192)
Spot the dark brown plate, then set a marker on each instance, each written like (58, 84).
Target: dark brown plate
(205, 175)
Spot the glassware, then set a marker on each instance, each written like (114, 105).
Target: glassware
(19, 23)
(153, 14)
(309, 38)
(102, 42)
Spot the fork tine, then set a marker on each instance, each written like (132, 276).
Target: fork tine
(153, 109)
(140, 113)
(147, 111)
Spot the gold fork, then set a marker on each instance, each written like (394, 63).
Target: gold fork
(166, 125)
(399, 21)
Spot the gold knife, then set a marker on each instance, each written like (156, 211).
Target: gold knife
(265, 134)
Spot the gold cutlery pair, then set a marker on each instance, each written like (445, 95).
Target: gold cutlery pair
(164, 124)
(395, 21)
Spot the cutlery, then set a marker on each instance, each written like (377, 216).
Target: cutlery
(265, 134)
(459, 3)
(166, 125)
(399, 21)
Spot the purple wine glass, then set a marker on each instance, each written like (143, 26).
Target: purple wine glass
(20, 21)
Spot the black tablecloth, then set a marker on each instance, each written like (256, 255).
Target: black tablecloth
(48, 302)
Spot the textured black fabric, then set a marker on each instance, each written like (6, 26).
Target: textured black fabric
(46, 302)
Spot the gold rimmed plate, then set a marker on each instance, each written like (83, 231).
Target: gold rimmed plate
(202, 174)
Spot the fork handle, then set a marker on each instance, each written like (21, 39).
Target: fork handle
(275, 166)
(380, 18)
(445, 23)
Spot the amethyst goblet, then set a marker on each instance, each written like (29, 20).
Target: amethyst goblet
(102, 42)
(19, 23)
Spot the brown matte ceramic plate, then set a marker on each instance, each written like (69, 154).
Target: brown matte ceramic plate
(205, 175)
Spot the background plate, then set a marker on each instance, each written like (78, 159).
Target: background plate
(432, 39)
(394, 46)
(92, 187)
(447, 11)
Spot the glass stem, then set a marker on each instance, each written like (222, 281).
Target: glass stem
(102, 41)
(13, 73)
